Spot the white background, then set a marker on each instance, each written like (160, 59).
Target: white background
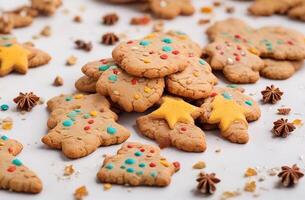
(263, 151)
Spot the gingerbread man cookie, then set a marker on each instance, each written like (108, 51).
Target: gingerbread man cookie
(230, 110)
(45, 7)
(195, 82)
(298, 12)
(173, 125)
(267, 42)
(14, 175)
(237, 63)
(79, 124)
(86, 84)
(137, 164)
(155, 56)
(169, 9)
(18, 57)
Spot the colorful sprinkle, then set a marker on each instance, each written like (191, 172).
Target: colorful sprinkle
(202, 62)
(4, 137)
(68, 98)
(79, 96)
(87, 115)
(86, 128)
(93, 113)
(144, 43)
(249, 102)
(72, 114)
(130, 161)
(232, 86)
(167, 48)
(11, 169)
(142, 165)
(175, 52)
(164, 163)
(67, 123)
(104, 67)
(167, 40)
(4, 107)
(110, 166)
(130, 170)
(138, 153)
(136, 96)
(91, 121)
(147, 90)
(111, 130)
(139, 172)
(164, 56)
(113, 77)
(123, 167)
(152, 164)
(134, 81)
(183, 129)
(153, 174)
(226, 95)
(17, 162)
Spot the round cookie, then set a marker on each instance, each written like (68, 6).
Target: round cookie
(195, 82)
(155, 56)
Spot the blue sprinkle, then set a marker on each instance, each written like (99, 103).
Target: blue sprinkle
(17, 162)
(67, 123)
(4, 107)
(4, 137)
(167, 48)
(167, 40)
(111, 130)
(226, 95)
(138, 153)
(110, 166)
(130, 170)
(144, 43)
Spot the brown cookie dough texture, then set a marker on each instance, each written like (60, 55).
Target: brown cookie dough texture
(157, 55)
(86, 84)
(79, 124)
(298, 12)
(24, 16)
(230, 110)
(195, 82)
(27, 56)
(183, 134)
(137, 164)
(14, 175)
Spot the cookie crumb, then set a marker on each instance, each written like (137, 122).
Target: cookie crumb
(77, 19)
(250, 186)
(46, 31)
(109, 39)
(71, 60)
(217, 150)
(158, 26)
(229, 194)
(144, 20)
(199, 165)
(250, 172)
(203, 21)
(230, 9)
(69, 170)
(283, 111)
(107, 186)
(80, 193)
(273, 171)
(297, 122)
(81, 44)
(58, 81)
(216, 3)
(110, 19)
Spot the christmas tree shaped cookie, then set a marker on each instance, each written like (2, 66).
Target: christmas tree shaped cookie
(14, 175)
(79, 124)
(137, 164)
(173, 125)
(230, 110)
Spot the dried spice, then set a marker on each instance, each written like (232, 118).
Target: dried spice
(230, 9)
(283, 111)
(204, 21)
(282, 128)
(207, 182)
(77, 19)
(110, 19)
(46, 31)
(109, 39)
(26, 101)
(80, 193)
(271, 94)
(290, 175)
(80, 44)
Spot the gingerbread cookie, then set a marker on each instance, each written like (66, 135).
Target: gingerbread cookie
(231, 111)
(155, 56)
(86, 84)
(79, 124)
(267, 42)
(14, 175)
(237, 63)
(173, 125)
(18, 57)
(169, 9)
(45, 7)
(279, 70)
(195, 82)
(298, 12)
(137, 164)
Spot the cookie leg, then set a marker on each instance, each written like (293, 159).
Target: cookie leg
(241, 74)
(237, 132)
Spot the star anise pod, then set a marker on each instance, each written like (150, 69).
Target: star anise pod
(271, 94)
(207, 182)
(110, 19)
(109, 39)
(80, 44)
(26, 101)
(282, 128)
(290, 175)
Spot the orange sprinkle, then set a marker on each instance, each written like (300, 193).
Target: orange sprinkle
(206, 9)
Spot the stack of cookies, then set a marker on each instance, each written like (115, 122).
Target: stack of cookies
(244, 53)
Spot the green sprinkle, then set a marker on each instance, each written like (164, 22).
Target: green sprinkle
(17, 162)
(4, 107)
(110, 166)
(104, 67)
(142, 165)
(139, 172)
(130, 170)
(226, 95)
(249, 102)
(4, 137)
(113, 77)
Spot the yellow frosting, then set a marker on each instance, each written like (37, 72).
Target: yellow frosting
(225, 112)
(13, 57)
(175, 110)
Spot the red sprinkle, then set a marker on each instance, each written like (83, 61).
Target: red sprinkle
(129, 146)
(10, 150)
(175, 52)
(91, 121)
(183, 129)
(237, 36)
(134, 81)
(177, 165)
(103, 61)
(11, 168)
(238, 47)
(213, 94)
(142, 150)
(164, 56)
(237, 58)
(130, 42)
(86, 128)
(115, 71)
(290, 42)
(152, 164)
(191, 55)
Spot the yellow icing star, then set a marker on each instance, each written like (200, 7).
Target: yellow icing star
(13, 57)
(226, 111)
(174, 110)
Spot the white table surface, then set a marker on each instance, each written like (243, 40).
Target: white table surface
(263, 151)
